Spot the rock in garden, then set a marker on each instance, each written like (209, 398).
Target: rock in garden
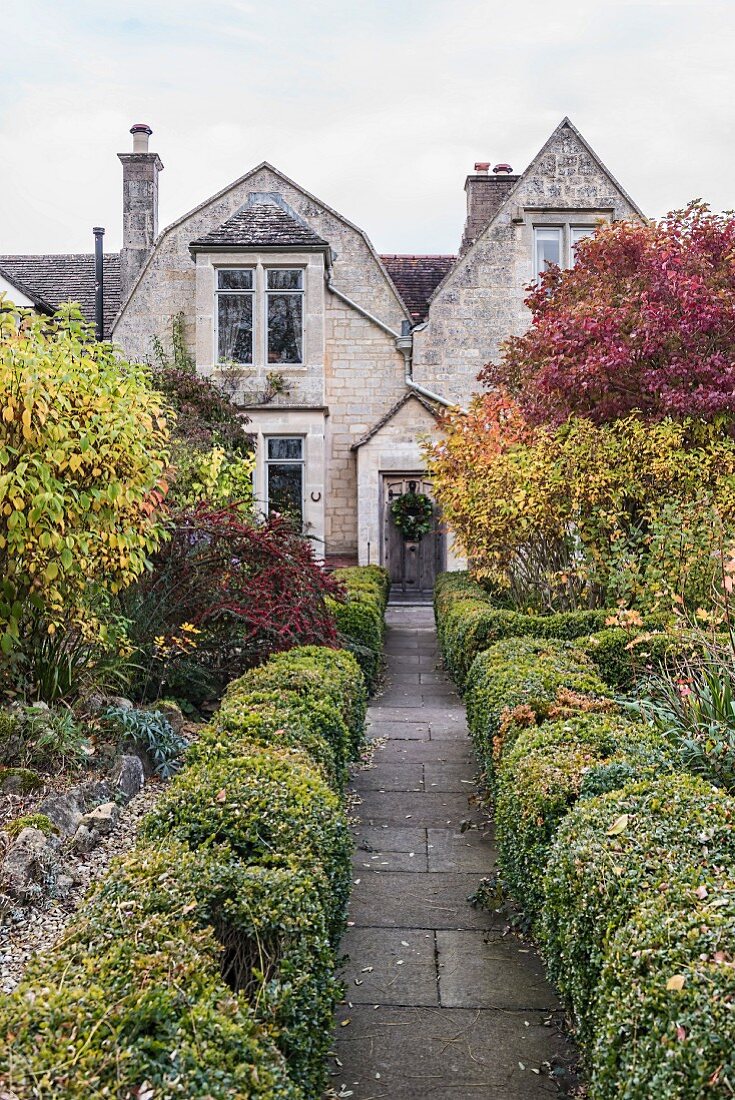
(85, 839)
(63, 810)
(91, 794)
(120, 702)
(31, 866)
(102, 818)
(129, 776)
(173, 714)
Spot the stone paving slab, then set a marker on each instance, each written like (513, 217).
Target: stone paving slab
(444, 1054)
(477, 970)
(472, 852)
(456, 751)
(404, 900)
(390, 966)
(436, 714)
(406, 730)
(390, 776)
(449, 776)
(445, 809)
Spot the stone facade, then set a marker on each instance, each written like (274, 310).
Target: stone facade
(364, 353)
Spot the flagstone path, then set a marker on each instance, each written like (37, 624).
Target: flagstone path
(441, 1002)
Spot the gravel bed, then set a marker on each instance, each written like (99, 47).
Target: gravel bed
(27, 931)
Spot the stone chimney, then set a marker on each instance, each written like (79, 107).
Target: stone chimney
(485, 194)
(140, 205)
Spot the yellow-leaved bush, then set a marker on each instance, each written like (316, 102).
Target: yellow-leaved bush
(83, 450)
(585, 514)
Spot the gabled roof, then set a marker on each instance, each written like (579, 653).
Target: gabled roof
(49, 281)
(416, 278)
(411, 395)
(265, 221)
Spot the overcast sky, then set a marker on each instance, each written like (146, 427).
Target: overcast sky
(379, 107)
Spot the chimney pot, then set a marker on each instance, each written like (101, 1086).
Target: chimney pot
(141, 131)
(502, 170)
(482, 167)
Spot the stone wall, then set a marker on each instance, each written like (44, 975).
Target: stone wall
(481, 303)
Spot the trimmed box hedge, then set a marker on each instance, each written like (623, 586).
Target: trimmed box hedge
(523, 672)
(239, 885)
(360, 618)
(546, 771)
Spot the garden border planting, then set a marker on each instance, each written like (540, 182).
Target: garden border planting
(612, 849)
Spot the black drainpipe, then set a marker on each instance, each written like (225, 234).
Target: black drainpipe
(99, 287)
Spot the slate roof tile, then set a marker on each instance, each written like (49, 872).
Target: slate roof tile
(53, 279)
(416, 278)
(261, 225)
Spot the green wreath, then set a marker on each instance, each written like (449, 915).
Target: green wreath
(412, 514)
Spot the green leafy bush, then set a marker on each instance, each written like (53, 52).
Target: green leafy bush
(122, 1008)
(360, 618)
(41, 737)
(284, 720)
(318, 671)
(546, 771)
(528, 672)
(150, 732)
(271, 925)
(667, 994)
(267, 805)
(624, 657)
(613, 852)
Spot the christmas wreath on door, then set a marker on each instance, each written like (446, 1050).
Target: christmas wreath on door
(412, 514)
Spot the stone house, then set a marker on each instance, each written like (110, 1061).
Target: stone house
(341, 359)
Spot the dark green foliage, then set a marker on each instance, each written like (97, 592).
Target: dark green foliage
(271, 924)
(528, 672)
(266, 804)
(30, 821)
(613, 853)
(327, 673)
(622, 657)
(283, 719)
(360, 618)
(546, 771)
(40, 737)
(126, 1003)
(150, 732)
(655, 1040)
(19, 780)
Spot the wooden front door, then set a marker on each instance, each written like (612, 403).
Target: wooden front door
(413, 566)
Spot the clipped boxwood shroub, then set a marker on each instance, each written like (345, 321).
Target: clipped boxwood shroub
(623, 657)
(283, 719)
(527, 672)
(267, 804)
(319, 672)
(545, 772)
(360, 626)
(613, 852)
(100, 1016)
(271, 924)
(666, 1000)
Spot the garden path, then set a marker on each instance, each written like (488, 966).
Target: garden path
(441, 1002)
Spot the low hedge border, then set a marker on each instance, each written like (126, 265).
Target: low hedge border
(622, 860)
(360, 618)
(204, 963)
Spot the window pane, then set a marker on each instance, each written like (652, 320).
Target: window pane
(284, 449)
(285, 485)
(548, 248)
(281, 279)
(235, 328)
(284, 328)
(578, 234)
(237, 279)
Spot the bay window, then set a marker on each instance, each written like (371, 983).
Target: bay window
(260, 315)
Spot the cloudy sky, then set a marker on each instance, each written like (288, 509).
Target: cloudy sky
(380, 107)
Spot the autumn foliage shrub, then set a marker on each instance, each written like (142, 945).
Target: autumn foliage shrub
(224, 594)
(83, 451)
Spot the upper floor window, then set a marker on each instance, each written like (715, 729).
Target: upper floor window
(556, 244)
(260, 315)
(285, 314)
(235, 315)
